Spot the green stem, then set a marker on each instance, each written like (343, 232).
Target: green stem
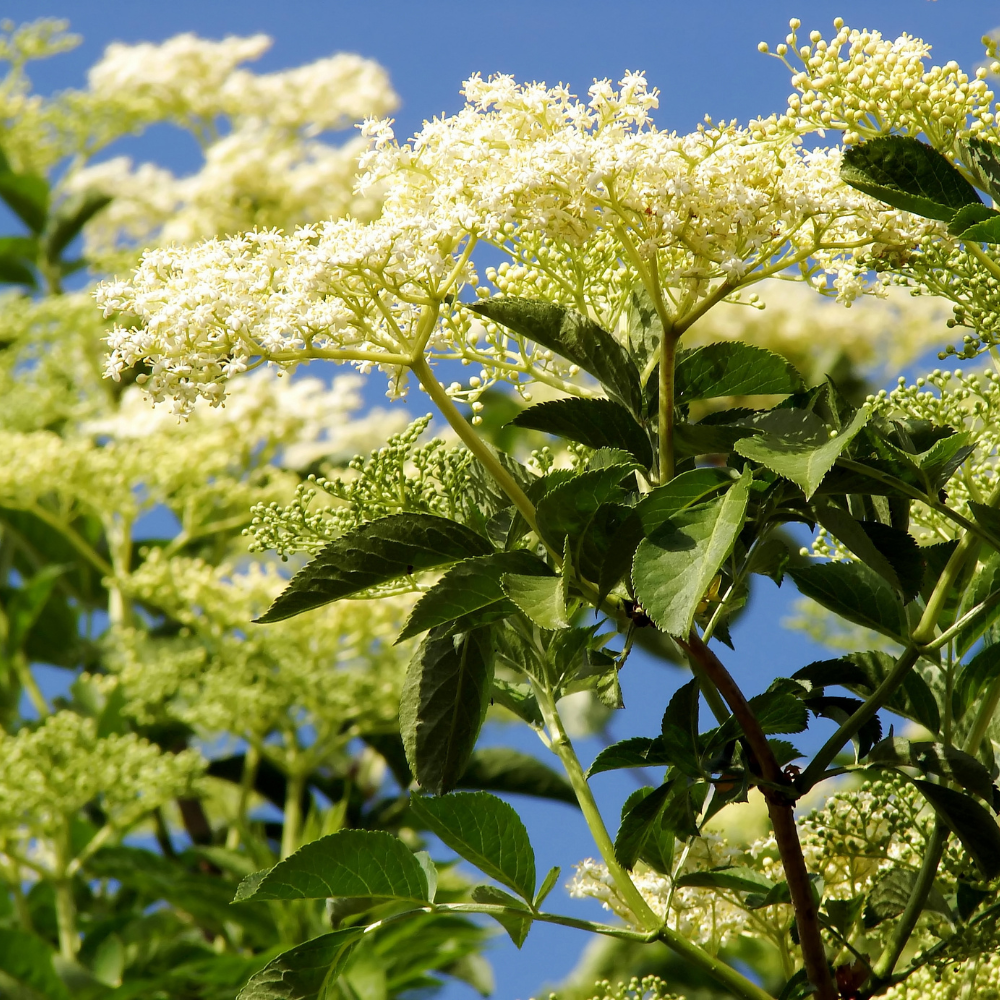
(665, 415)
(473, 441)
(23, 670)
(292, 825)
(914, 905)
(69, 940)
(988, 262)
(561, 745)
(251, 761)
(987, 709)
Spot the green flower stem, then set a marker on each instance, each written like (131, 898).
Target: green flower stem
(914, 905)
(23, 671)
(987, 710)
(251, 761)
(665, 414)
(292, 826)
(562, 746)
(473, 441)
(62, 884)
(975, 250)
(781, 814)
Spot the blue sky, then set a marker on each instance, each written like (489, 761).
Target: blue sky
(702, 56)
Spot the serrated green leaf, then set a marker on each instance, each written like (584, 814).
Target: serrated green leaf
(637, 825)
(638, 751)
(855, 592)
(27, 196)
(798, 446)
(597, 423)
(302, 972)
(982, 159)
(349, 863)
(645, 331)
(675, 566)
(27, 960)
(909, 175)
(891, 893)
(443, 704)
(970, 822)
(734, 878)
(984, 231)
(514, 924)
(566, 511)
(541, 598)
(469, 594)
(375, 553)
(519, 699)
(974, 218)
(484, 830)
(733, 369)
(548, 884)
(937, 758)
(574, 336)
(501, 769)
(679, 729)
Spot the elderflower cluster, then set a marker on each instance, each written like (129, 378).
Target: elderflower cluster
(867, 85)
(581, 196)
(647, 988)
(856, 837)
(334, 670)
(400, 475)
(48, 774)
(977, 977)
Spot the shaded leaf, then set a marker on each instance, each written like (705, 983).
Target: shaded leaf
(302, 972)
(981, 159)
(548, 884)
(443, 704)
(349, 863)
(375, 553)
(909, 175)
(675, 566)
(855, 592)
(574, 336)
(501, 769)
(637, 824)
(470, 594)
(733, 369)
(679, 729)
(891, 892)
(519, 699)
(937, 758)
(484, 830)
(597, 423)
(639, 751)
(970, 822)
(734, 878)
(566, 511)
(27, 960)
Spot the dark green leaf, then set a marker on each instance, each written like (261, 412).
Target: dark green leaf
(541, 598)
(301, 973)
(443, 705)
(571, 334)
(779, 713)
(988, 517)
(27, 196)
(840, 709)
(548, 884)
(638, 823)
(679, 729)
(645, 331)
(733, 878)
(597, 423)
(470, 594)
(975, 676)
(484, 830)
(909, 175)
(974, 222)
(798, 987)
(14, 271)
(675, 566)
(733, 369)
(855, 592)
(514, 924)
(983, 231)
(784, 752)
(639, 751)
(891, 893)
(937, 758)
(375, 553)
(985, 581)
(797, 445)
(27, 960)
(566, 511)
(501, 769)
(361, 863)
(970, 822)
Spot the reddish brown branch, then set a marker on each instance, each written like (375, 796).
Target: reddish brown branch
(780, 810)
